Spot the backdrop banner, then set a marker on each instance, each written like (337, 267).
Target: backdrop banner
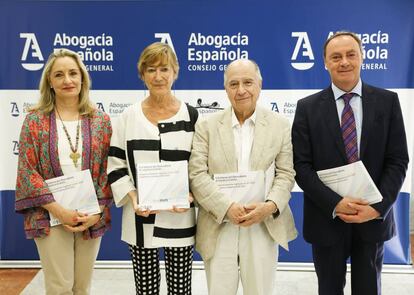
(285, 39)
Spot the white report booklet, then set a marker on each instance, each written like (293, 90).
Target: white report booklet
(246, 187)
(74, 191)
(352, 180)
(162, 185)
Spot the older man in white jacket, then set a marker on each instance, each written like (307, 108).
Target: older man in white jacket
(241, 239)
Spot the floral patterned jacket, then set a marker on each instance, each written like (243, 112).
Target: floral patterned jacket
(39, 160)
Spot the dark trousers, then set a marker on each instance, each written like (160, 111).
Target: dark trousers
(366, 264)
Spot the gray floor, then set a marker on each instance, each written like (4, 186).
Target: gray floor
(289, 281)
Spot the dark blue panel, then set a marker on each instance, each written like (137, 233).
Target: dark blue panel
(299, 250)
(397, 250)
(386, 26)
(15, 246)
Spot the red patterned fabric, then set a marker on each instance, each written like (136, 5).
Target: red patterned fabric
(39, 160)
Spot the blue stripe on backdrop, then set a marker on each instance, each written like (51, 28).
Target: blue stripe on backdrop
(281, 36)
(16, 247)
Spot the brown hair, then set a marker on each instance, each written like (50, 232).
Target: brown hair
(157, 53)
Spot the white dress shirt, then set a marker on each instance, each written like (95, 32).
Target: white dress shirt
(243, 140)
(64, 150)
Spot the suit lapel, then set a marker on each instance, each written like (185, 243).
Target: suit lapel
(368, 115)
(259, 139)
(226, 135)
(330, 115)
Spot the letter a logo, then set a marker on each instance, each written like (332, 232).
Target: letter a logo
(31, 47)
(100, 106)
(304, 47)
(15, 109)
(274, 107)
(15, 144)
(165, 38)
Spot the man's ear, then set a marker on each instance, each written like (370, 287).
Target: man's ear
(324, 63)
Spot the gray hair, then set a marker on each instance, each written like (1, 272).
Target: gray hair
(256, 67)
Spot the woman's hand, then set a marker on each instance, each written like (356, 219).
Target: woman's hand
(182, 210)
(133, 196)
(65, 216)
(83, 222)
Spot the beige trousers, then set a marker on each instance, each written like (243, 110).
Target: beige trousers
(249, 253)
(67, 261)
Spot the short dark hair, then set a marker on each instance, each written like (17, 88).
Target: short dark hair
(342, 33)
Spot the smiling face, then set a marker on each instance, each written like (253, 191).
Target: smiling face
(159, 78)
(158, 68)
(66, 78)
(343, 61)
(243, 88)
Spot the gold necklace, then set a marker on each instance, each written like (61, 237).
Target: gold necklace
(74, 155)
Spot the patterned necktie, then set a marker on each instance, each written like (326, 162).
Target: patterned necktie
(349, 134)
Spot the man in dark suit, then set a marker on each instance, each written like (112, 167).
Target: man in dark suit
(347, 122)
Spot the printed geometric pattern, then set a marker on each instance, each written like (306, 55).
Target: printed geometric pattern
(348, 127)
(146, 270)
(178, 267)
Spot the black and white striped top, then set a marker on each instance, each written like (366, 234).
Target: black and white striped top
(136, 140)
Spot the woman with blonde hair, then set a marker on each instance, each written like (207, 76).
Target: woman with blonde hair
(159, 128)
(63, 134)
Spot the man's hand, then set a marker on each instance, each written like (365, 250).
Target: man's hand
(235, 213)
(257, 212)
(363, 213)
(343, 206)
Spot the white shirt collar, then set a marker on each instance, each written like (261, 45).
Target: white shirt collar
(338, 92)
(235, 122)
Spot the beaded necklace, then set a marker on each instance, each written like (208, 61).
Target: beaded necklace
(74, 155)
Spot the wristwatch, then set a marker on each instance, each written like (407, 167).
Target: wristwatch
(276, 212)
